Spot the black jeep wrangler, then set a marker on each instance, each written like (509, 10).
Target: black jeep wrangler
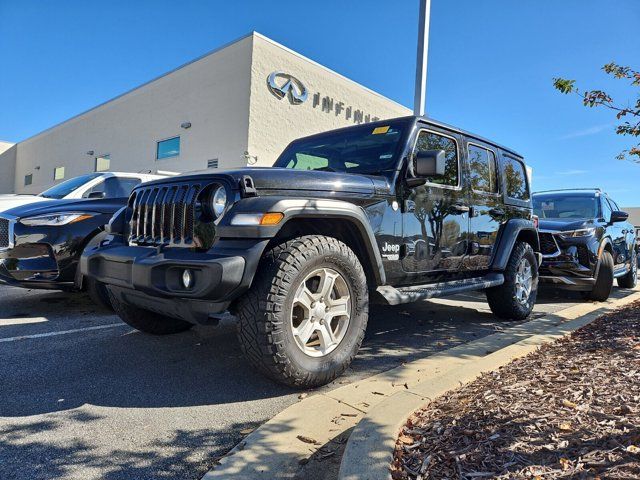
(395, 211)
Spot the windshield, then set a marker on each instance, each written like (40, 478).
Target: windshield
(565, 206)
(65, 188)
(366, 149)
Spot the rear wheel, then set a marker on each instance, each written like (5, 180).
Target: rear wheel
(147, 321)
(304, 318)
(515, 298)
(630, 280)
(604, 281)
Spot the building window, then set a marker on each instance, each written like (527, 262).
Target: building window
(58, 173)
(213, 163)
(103, 163)
(28, 179)
(168, 148)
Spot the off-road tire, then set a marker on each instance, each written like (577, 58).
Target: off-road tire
(98, 293)
(604, 281)
(147, 321)
(264, 312)
(502, 299)
(630, 280)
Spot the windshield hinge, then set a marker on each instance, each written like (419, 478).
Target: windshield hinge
(247, 187)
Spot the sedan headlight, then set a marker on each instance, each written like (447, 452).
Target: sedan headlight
(56, 219)
(219, 201)
(583, 232)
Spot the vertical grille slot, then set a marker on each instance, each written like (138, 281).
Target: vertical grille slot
(4, 233)
(163, 215)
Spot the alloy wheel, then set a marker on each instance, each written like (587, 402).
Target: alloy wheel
(524, 281)
(320, 312)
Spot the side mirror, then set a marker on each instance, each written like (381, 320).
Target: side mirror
(429, 163)
(95, 195)
(618, 216)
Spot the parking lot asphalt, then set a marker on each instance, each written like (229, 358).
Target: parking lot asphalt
(84, 396)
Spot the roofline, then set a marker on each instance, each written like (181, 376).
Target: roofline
(416, 119)
(201, 57)
(567, 190)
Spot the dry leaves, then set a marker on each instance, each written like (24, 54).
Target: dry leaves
(569, 410)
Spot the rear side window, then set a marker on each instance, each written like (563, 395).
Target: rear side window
(433, 141)
(482, 163)
(515, 178)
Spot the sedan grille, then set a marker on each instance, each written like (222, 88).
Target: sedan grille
(548, 245)
(163, 214)
(4, 233)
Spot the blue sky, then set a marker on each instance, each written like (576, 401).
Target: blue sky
(491, 64)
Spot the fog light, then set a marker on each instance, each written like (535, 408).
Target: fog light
(187, 279)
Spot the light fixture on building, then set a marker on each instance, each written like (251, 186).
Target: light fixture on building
(90, 153)
(250, 159)
(185, 125)
(37, 168)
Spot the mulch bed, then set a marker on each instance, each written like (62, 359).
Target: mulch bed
(569, 410)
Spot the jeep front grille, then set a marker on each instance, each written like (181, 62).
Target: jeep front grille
(548, 245)
(4, 233)
(163, 214)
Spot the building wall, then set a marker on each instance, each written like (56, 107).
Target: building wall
(7, 166)
(212, 93)
(274, 122)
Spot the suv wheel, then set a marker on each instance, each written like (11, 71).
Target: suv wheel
(147, 321)
(304, 318)
(515, 298)
(98, 293)
(631, 278)
(604, 281)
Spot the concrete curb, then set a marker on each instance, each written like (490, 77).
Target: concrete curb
(369, 451)
(278, 448)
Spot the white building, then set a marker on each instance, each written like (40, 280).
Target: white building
(240, 104)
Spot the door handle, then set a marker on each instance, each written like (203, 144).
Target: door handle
(459, 207)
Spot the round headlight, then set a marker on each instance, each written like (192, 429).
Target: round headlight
(219, 201)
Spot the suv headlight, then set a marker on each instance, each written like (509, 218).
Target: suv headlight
(55, 219)
(583, 232)
(218, 201)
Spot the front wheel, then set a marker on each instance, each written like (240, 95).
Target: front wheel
(604, 280)
(304, 318)
(515, 298)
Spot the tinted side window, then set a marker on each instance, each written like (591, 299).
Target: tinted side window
(115, 187)
(483, 169)
(606, 209)
(515, 178)
(434, 141)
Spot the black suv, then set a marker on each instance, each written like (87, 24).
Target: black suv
(396, 211)
(586, 242)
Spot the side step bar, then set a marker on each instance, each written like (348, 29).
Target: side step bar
(396, 296)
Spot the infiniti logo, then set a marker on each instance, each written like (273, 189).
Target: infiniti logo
(282, 84)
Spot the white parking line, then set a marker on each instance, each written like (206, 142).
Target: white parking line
(7, 322)
(62, 332)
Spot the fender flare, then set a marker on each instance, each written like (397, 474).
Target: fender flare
(506, 240)
(297, 208)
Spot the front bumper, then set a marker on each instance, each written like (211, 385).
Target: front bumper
(573, 266)
(150, 278)
(32, 265)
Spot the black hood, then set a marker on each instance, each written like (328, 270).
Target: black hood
(106, 206)
(270, 178)
(565, 224)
